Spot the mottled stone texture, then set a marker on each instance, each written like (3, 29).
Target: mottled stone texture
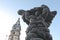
(38, 20)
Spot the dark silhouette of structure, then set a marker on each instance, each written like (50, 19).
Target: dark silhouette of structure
(38, 20)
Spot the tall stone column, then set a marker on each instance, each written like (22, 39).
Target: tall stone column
(15, 32)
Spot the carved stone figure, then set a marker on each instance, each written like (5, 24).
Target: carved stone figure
(38, 20)
(22, 12)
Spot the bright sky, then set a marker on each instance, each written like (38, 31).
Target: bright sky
(8, 16)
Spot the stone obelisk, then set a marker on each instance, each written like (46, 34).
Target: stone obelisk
(15, 32)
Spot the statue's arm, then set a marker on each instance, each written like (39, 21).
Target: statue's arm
(50, 16)
(28, 16)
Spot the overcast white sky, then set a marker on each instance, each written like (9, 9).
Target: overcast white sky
(8, 16)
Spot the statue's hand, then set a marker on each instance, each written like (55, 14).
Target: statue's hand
(20, 12)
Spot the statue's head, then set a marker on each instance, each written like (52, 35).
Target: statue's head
(44, 6)
(21, 12)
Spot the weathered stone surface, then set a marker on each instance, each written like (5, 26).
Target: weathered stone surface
(38, 20)
(36, 39)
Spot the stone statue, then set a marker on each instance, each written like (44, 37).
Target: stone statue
(38, 20)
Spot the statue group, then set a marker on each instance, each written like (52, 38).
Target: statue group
(38, 20)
